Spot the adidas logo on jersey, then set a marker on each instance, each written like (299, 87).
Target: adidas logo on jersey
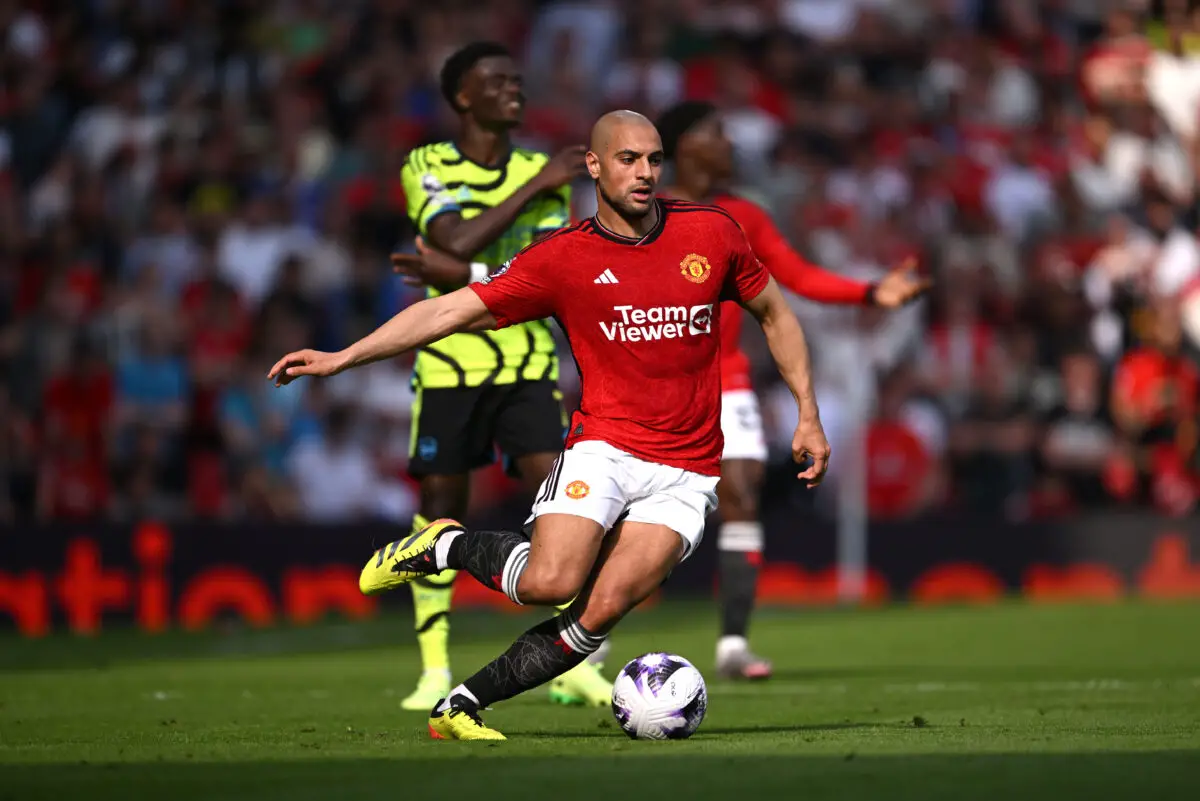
(659, 322)
(606, 277)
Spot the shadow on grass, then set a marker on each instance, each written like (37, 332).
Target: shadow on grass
(494, 771)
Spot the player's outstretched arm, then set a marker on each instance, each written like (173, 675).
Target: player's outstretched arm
(789, 348)
(900, 286)
(420, 324)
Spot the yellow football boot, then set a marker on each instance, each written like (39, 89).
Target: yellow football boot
(460, 722)
(405, 559)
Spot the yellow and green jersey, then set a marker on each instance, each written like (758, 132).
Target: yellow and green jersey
(438, 179)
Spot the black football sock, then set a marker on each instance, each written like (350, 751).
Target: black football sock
(546, 651)
(739, 556)
(496, 558)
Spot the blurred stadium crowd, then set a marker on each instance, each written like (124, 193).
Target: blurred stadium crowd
(189, 189)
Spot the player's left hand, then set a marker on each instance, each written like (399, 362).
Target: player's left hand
(809, 442)
(431, 267)
(901, 285)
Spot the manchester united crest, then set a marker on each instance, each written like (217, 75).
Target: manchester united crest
(695, 268)
(577, 489)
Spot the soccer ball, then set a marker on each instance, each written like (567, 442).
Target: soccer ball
(659, 697)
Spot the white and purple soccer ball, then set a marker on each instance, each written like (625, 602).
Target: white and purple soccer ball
(659, 697)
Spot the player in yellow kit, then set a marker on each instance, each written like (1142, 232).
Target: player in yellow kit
(482, 200)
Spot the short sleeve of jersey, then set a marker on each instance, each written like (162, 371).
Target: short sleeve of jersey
(746, 277)
(521, 290)
(425, 189)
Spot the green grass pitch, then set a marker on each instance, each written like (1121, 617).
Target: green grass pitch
(1005, 702)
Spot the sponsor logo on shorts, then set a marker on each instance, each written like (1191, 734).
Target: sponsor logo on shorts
(577, 489)
(658, 322)
(695, 268)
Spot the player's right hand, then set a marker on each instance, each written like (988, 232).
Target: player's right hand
(306, 362)
(566, 165)
(902, 285)
(809, 443)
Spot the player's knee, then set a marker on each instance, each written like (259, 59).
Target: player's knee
(548, 587)
(605, 609)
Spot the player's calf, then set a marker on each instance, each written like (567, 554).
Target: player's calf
(545, 651)
(636, 559)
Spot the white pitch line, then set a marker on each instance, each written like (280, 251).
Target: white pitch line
(933, 687)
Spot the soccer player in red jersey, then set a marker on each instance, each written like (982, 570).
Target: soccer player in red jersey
(627, 499)
(703, 160)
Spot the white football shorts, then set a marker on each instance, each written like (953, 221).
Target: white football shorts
(742, 426)
(600, 482)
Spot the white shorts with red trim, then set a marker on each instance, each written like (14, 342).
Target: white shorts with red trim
(597, 481)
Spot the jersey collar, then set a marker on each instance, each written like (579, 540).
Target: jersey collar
(505, 157)
(598, 228)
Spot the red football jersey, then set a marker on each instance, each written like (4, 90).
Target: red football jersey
(790, 270)
(639, 316)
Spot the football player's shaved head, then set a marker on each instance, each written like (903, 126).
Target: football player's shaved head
(612, 129)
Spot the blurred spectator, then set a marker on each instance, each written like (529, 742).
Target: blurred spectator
(253, 248)
(1020, 195)
(73, 482)
(1173, 74)
(168, 248)
(18, 462)
(77, 402)
(645, 78)
(905, 444)
(1144, 155)
(991, 444)
(152, 382)
(333, 474)
(1154, 405)
(1112, 70)
(259, 423)
(1078, 440)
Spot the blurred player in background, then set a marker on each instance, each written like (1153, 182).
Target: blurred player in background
(481, 200)
(703, 168)
(627, 499)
